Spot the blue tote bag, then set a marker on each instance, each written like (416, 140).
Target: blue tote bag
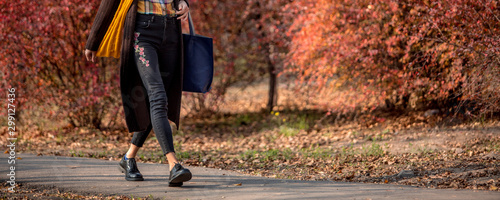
(198, 61)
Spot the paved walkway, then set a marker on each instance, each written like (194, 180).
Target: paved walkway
(101, 176)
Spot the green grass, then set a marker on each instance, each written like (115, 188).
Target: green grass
(492, 146)
(243, 119)
(99, 154)
(347, 151)
(249, 154)
(372, 150)
(184, 155)
(77, 154)
(317, 153)
(268, 155)
(290, 127)
(200, 156)
(60, 138)
(177, 144)
(425, 150)
(288, 131)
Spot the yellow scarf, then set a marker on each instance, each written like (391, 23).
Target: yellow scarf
(111, 43)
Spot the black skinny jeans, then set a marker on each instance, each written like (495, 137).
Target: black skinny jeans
(157, 56)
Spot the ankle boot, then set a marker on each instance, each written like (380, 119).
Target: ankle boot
(129, 167)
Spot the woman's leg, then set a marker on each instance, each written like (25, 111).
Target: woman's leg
(157, 55)
(147, 60)
(137, 141)
(169, 61)
(128, 164)
(132, 151)
(172, 160)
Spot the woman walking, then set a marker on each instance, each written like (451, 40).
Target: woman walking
(151, 68)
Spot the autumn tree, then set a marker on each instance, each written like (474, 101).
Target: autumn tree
(438, 53)
(249, 39)
(270, 21)
(441, 54)
(42, 57)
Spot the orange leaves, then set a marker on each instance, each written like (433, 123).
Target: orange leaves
(420, 48)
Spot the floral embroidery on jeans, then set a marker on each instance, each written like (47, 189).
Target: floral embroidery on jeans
(140, 50)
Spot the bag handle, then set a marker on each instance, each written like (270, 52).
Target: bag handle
(191, 27)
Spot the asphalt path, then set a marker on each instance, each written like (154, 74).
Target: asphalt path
(97, 176)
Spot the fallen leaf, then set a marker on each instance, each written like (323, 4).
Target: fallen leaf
(6, 152)
(237, 184)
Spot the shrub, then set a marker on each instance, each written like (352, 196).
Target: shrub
(42, 57)
(442, 53)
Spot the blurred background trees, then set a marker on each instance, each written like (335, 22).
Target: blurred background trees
(394, 54)
(435, 53)
(42, 57)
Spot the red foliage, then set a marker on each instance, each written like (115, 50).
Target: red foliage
(434, 51)
(42, 57)
(443, 52)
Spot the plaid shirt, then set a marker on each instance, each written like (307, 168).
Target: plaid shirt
(157, 7)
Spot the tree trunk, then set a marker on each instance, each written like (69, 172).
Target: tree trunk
(273, 82)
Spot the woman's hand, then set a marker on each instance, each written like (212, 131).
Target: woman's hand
(183, 11)
(90, 55)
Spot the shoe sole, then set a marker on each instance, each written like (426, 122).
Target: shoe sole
(181, 178)
(175, 184)
(129, 179)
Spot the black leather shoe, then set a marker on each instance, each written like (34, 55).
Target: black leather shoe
(129, 167)
(178, 175)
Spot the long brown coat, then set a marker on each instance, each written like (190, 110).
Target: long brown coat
(134, 96)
